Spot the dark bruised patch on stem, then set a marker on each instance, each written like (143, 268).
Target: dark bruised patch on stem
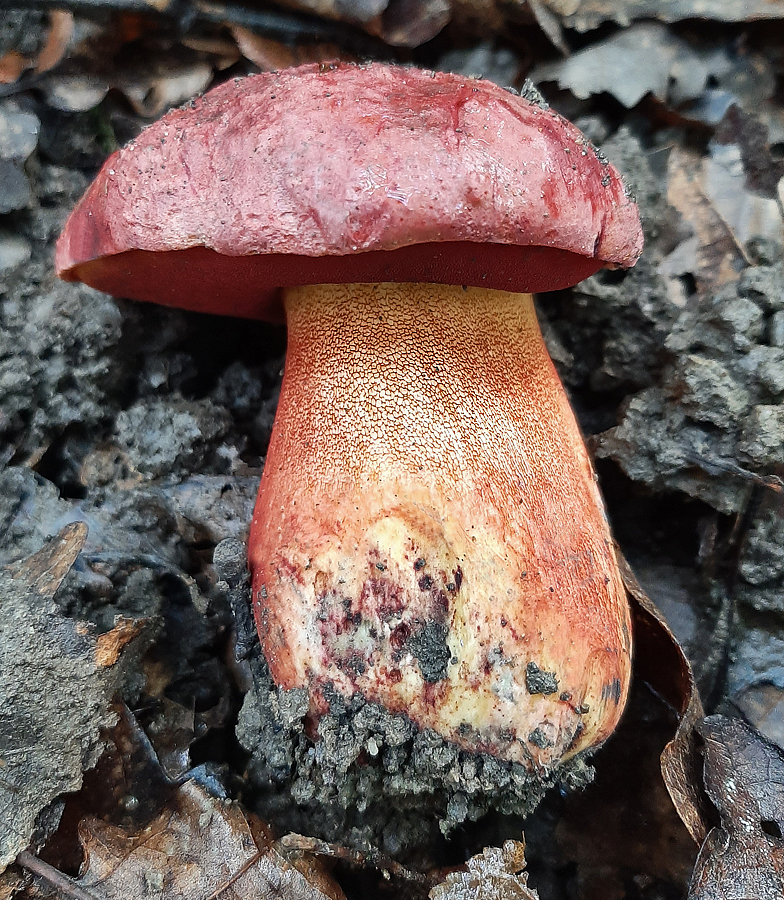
(425, 583)
(612, 691)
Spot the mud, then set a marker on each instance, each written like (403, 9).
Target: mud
(373, 775)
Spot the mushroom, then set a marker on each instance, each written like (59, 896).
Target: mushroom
(428, 531)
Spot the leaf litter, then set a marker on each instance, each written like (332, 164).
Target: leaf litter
(50, 735)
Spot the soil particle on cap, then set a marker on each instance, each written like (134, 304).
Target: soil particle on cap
(530, 92)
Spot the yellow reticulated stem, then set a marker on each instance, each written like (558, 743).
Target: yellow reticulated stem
(429, 532)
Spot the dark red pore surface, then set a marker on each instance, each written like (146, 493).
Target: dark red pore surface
(202, 280)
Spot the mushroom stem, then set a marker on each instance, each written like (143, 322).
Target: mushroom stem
(428, 531)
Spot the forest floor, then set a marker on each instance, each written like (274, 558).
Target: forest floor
(150, 426)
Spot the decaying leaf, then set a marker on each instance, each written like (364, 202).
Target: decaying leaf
(12, 64)
(672, 70)
(743, 858)
(51, 51)
(746, 213)
(270, 55)
(497, 873)
(762, 705)
(585, 15)
(401, 23)
(744, 777)
(109, 646)
(713, 254)
(661, 662)
(54, 695)
(198, 847)
(727, 197)
(61, 29)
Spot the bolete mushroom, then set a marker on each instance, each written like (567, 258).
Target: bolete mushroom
(428, 531)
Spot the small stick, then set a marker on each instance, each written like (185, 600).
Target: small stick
(301, 843)
(55, 877)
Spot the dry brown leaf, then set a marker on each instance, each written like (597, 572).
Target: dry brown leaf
(661, 662)
(270, 55)
(401, 23)
(267, 54)
(12, 64)
(223, 50)
(55, 46)
(728, 197)
(410, 23)
(61, 29)
(160, 6)
(744, 776)
(717, 253)
(198, 848)
(497, 873)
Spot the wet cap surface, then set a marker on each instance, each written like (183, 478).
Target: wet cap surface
(352, 173)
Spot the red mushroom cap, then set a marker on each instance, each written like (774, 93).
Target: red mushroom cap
(348, 174)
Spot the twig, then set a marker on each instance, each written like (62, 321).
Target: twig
(712, 466)
(67, 886)
(301, 843)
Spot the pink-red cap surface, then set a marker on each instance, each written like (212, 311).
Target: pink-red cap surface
(348, 174)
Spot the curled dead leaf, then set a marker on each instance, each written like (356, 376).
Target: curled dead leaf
(661, 662)
(198, 847)
(270, 55)
(743, 857)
